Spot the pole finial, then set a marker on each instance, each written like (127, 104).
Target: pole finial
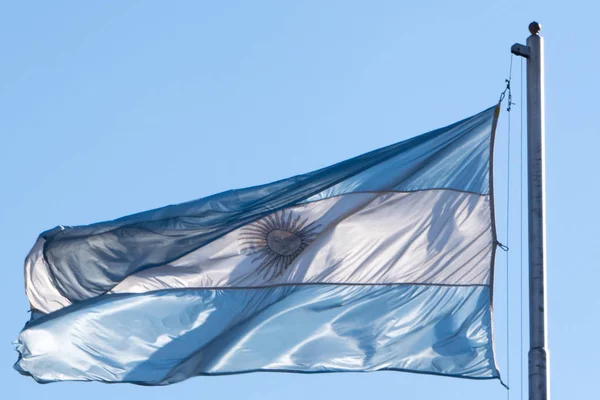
(535, 28)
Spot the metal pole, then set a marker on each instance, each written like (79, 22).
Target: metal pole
(538, 351)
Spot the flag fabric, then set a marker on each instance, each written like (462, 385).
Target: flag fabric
(381, 262)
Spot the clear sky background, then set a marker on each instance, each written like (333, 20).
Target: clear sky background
(114, 107)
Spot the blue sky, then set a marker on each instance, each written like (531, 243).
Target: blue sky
(109, 108)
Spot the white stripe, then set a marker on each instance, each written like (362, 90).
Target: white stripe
(39, 286)
(426, 237)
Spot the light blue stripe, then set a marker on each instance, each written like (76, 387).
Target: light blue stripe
(86, 261)
(458, 159)
(167, 336)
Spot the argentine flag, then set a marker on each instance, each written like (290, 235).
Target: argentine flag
(381, 262)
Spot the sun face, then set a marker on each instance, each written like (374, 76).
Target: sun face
(276, 241)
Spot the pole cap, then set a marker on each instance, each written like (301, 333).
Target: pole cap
(535, 28)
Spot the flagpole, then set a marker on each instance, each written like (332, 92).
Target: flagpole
(539, 377)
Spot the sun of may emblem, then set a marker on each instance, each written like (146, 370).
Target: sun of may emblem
(276, 241)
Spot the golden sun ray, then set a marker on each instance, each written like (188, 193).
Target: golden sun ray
(276, 240)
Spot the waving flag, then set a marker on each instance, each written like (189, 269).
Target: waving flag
(380, 262)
